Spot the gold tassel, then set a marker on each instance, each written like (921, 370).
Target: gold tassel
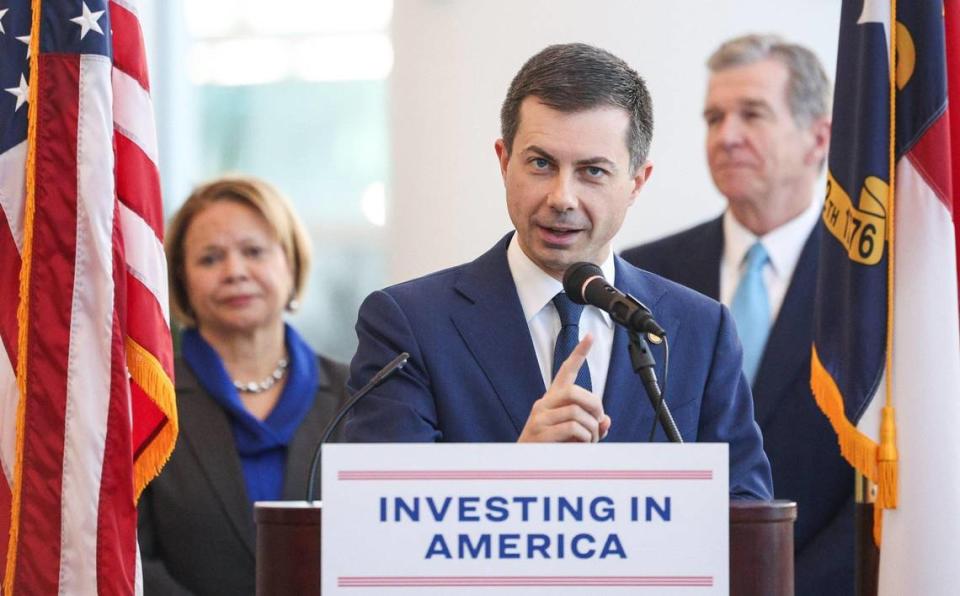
(887, 461)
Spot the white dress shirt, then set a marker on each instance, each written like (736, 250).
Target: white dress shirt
(783, 245)
(536, 290)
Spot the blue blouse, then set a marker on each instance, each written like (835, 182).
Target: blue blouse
(261, 444)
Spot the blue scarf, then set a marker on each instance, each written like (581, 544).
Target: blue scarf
(261, 445)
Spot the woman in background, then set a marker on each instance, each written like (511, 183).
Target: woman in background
(252, 396)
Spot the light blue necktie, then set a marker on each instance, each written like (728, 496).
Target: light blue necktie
(751, 310)
(569, 337)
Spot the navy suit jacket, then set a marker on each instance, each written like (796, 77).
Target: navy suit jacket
(473, 374)
(801, 444)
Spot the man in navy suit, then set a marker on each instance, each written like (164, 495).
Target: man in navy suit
(767, 133)
(494, 352)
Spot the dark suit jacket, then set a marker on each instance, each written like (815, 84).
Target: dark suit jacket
(196, 529)
(473, 374)
(801, 444)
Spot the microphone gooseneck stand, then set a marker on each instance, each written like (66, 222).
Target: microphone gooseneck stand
(643, 365)
(381, 375)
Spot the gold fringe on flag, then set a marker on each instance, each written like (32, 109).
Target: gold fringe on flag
(878, 462)
(147, 372)
(856, 447)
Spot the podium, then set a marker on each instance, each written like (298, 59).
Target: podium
(761, 548)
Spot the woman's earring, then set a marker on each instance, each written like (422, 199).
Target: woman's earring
(293, 305)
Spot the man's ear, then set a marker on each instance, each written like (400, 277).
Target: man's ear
(820, 133)
(502, 155)
(640, 178)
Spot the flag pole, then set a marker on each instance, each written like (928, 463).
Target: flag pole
(867, 553)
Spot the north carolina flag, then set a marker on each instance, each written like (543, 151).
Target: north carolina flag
(886, 354)
(87, 409)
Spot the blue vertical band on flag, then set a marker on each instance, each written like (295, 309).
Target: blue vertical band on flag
(851, 311)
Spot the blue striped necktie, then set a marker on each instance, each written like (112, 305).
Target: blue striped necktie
(568, 337)
(751, 310)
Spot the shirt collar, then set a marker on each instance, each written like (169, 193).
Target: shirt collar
(536, 288)
(783, 244)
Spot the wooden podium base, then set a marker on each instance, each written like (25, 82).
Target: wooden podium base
(761, 548)
(288, 547)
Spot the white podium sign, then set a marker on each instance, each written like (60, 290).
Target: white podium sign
(525, 519)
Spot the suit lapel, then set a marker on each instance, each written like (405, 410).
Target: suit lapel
(491, 322)
(205, 428)
(699, 262)
(783, 358)
(624, 397)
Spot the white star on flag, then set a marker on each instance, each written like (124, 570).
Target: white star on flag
(876, 11)
(88, 21)
(2, 12)
(21, 92)
(25, 39)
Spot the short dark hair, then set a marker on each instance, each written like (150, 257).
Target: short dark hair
(574, 77)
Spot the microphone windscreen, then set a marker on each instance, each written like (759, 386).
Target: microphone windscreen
(576, 276)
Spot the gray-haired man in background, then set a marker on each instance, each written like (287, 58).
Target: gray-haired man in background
(768, 128)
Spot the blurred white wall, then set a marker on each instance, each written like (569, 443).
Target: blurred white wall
(455, 58)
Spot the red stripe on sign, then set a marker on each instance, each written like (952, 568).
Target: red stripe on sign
(117, 518)
(677, 581)
(128, 52)
(10, 282)
(149, 328)
(48, 333)
(525, 475)
(931, 157)
(138, 183)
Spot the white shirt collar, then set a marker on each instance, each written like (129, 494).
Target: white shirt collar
(784, 244)
(536, 288)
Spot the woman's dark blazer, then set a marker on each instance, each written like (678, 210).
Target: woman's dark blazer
(196, 529)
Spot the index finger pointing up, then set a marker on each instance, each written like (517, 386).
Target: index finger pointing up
(567, 373)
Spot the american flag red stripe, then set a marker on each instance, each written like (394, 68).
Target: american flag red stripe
(97, 418)
(42, 417)
(128, 54)
(142, 305)
(138, 182)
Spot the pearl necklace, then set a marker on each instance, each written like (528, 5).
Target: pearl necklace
(267, 383)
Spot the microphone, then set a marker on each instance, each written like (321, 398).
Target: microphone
(381, 376)
(584, 284)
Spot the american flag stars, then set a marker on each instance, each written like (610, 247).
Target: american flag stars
(88, 21)
(21, 92)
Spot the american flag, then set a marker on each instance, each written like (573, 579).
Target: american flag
(87, 410)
